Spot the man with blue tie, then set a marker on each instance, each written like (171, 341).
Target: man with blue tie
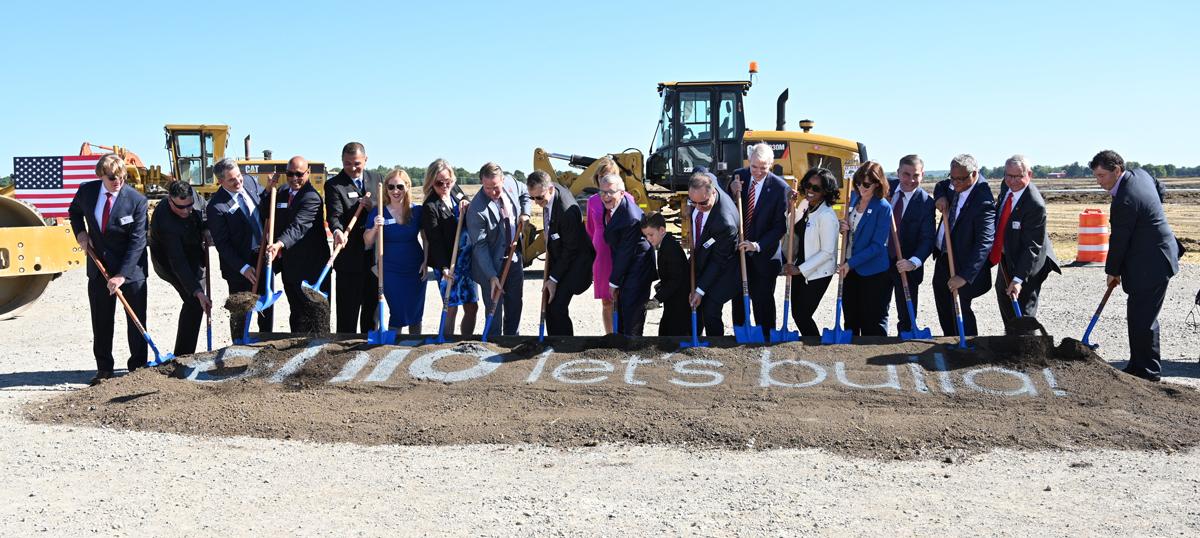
(109, 217)
(972, 219)
(493, 220)
(912, 211)
(235, 222)
(764, 196)
(355, 292)
(1143, 255)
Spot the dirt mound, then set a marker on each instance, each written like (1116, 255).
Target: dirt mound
(880, 398)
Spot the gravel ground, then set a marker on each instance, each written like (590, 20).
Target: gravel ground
(64, 480)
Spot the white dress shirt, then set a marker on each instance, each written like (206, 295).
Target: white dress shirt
(907, 200)
(100, 202)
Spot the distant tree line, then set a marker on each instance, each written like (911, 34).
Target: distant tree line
(6, 181)
(1076, 170)
(417, 173)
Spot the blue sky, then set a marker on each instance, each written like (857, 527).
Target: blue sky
(1057, 81)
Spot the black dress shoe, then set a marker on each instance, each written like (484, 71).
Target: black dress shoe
(100, 377)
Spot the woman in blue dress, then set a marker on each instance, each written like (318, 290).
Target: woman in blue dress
(439, 221)
(403, 257)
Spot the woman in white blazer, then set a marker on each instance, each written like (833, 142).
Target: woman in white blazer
(816, 242)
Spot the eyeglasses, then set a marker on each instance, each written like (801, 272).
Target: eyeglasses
(396, 187)
(1014, 177)
(187, 207)
(960, 179)
(610, 193)
(292, 173)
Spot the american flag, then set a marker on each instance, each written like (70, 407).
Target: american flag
(49, 183)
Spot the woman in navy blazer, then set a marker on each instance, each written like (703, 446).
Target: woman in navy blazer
(868, 286)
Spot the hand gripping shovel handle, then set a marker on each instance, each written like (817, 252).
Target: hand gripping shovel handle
(695, 342)
(1008, 282)
(508, 258)
(962, 337)
(362, 202)
(1096, 317)
(462, 215)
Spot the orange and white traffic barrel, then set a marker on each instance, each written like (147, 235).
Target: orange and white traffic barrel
(1093, 237)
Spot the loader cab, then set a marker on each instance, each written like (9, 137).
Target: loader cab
(194, 149)
(702, 124)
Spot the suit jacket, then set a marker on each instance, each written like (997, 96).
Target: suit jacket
(633, 265)
(870, 240)
(177, 248)
(341, 200)
(570, 247)
(484, 231)
(122, 246)
(1142, 249)
(917, 229)
(716, 252)
(1027, 247)
(439, 224)
(298, 226)
(230, 229)
(972, 232)
(673, 288)
(770, 217)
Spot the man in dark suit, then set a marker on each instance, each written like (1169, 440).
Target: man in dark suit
(764, 198)
(356, 293)
(633, 264)
(713, 219)
(1143, 255)
(674, 281)
(569, 250)
(493, 218)
(970, 205)
(1022, 246)
(235, 222)
(300, 239)
(177, 253)
(109, 217)
(912, 211)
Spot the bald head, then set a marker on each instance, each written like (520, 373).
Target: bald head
(297, 172)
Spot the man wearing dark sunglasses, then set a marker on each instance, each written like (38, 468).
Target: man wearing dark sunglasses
(177, 253)
(299, 244)
(713, 244)
(569, 250)
(355, 293)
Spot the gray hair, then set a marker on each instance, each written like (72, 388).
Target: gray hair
(614, 179)
(966, 161)
(702, 180)
(1021, 161)
(762, 152)
(224, 165)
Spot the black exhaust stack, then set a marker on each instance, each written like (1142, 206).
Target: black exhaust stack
(779, 110)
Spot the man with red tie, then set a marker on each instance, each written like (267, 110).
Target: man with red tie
(300, 244)
(764, 201)
(1022, 249)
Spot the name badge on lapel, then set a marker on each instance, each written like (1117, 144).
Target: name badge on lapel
(232, 209)
(709, 243)
(869, 211)
(1016, 225)
(554, 237)
(281, 205)
(352, 194)
(127, 219)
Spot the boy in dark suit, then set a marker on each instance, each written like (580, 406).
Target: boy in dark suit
(674, 281)
(109, 217)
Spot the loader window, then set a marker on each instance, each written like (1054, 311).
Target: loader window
(726, 119)
(696, 116)
(692, 156)
(189, 162)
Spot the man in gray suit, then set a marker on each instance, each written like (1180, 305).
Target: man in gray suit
(1022, 246)
(492, 222)
(1143, 255)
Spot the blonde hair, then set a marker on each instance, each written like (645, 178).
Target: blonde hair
(607, 166)
(110, 165)
(431, 173)
(406, 210)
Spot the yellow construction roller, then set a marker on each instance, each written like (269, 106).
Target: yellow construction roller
(32, 254)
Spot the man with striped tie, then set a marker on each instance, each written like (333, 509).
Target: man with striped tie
(764, 206)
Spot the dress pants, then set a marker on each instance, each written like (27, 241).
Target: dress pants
(1027, 299)
(356, 296)
(240, 284)
(506, 319)
(945, 305)
(631, 309)
(102, 307)
(763, 273)
(806, 297)
(1141, 315)
(865, 302)
(914, 283)
(558, 313)
(191, 313)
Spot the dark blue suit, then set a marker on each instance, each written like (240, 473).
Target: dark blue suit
(766, 228)
(868, 285)
(1027, 253)
(121, 247)
(236, 246)
(1143, 251)
(917, 231)
(971, 234)
(633, 266)
(716, 261)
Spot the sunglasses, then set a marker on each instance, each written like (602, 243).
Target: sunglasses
(115, 178)
(396, 187)
(187, 207)
(702, 203)
(813, 187)
(291, 173)
(441, 183)
(541, 198)
(960, 179)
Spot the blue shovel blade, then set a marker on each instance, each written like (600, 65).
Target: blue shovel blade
(266, 301)
(383, 338)
(306, 285)
(748, 334)
(778, 336)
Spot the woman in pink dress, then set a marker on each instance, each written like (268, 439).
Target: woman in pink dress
(602, 267)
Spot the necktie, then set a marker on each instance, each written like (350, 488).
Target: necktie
(750, 203)
(607, 216)
(107, 211)
(255, 226)
(998, 246)
(699, 228)
(505, 225)
(898, 209)
(359, 185)
(291, 196)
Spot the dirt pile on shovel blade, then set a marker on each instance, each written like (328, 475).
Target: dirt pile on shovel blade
(881, 398)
